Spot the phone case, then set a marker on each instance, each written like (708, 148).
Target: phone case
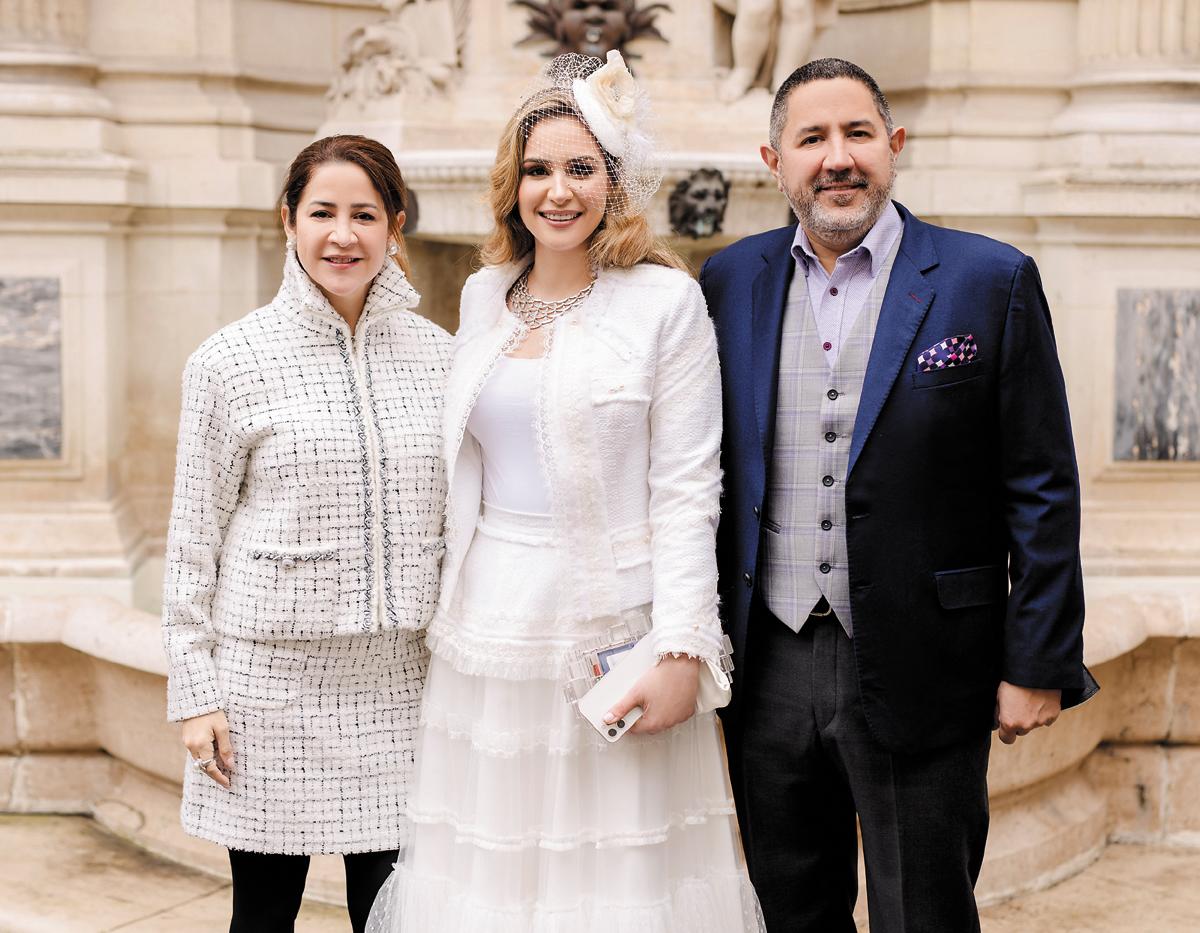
(624, 670)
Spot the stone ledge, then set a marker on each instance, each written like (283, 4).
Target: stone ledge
(1056, 796)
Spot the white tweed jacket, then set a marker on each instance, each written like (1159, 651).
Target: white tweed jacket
(630, 422)
(309, 484)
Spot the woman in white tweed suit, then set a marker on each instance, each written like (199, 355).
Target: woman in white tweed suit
(304, 547)
(583, 424)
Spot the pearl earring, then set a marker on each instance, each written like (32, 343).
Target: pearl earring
(393, 249)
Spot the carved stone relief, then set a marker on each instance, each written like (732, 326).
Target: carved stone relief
(415, 50)
(1158, 375)
(697, 203)
(30, 369)
(591, 27)
(769, 39)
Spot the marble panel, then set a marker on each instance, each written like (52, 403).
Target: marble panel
(1157, 375)
(30, 369)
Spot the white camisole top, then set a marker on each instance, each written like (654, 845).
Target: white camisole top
(504, 421)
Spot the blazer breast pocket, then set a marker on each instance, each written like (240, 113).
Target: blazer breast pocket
(951, 375)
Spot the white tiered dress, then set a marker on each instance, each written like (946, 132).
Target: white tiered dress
(524, 819)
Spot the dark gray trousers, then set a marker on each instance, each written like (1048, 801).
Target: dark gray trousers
(804, 764)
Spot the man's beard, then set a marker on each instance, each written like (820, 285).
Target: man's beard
(841, 228)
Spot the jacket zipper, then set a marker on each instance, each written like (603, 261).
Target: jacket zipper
(357, 358)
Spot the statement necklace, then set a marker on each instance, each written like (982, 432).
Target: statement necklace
(536, 312)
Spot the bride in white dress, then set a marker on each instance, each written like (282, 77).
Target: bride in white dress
(583, 425)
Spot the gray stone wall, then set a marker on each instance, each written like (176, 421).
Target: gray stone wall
(1158, 375)
(30, 369)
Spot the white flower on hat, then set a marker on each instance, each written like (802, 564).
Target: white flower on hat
(608, 100)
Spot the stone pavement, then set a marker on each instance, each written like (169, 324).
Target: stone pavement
(62, 874)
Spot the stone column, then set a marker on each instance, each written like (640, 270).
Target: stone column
(1138, 72)
(1119, 200)
(48, 75)
(64, 196)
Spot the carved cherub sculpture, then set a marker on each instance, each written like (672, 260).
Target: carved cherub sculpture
(773, 36)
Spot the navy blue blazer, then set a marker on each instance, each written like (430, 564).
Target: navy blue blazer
(962, 497)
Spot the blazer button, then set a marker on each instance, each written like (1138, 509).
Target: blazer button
(756, 513)
(826, 480)
(826, 524)
(748, 578)
(289, 564)
(830, 436)
(832, 394)
(825, 568)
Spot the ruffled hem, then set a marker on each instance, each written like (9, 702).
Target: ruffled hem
(716, 903)
(468, 643)
(509, 764)
(599, 838)
(511, 659)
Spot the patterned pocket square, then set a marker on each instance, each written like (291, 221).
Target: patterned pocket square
(953, 351)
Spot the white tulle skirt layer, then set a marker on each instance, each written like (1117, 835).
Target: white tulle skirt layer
(524, 820)
(700, 905)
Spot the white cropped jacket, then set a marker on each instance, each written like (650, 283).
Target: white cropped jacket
(630, 419)
(309, 483)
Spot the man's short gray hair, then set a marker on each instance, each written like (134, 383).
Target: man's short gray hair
(824, 69)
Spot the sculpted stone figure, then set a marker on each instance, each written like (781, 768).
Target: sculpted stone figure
(770, 38)
(697, 203)
(591, 27)
(415, 50)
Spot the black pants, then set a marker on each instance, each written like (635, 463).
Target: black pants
(807, 764)
(267, 888)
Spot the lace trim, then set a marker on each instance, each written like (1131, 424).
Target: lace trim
(506, 660)
(561, 743)
(465, 833)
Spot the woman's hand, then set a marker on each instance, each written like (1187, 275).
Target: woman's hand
(666, 693)
(207, 740)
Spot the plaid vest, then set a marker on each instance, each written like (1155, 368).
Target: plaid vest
(804, 555)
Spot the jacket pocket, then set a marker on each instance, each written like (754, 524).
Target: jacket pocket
(273, 591)
(971, 586)
(620, 387)
(951, 375)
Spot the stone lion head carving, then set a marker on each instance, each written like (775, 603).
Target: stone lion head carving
(697, 204)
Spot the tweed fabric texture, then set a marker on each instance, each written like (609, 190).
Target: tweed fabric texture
(323, 733)
(629, 424)
(309, 485)
(303, 552)
(804, 529)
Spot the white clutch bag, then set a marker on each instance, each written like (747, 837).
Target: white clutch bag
(602, 671)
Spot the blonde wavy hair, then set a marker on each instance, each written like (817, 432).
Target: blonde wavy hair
(621, 240)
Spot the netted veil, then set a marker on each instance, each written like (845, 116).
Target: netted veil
(616, 159)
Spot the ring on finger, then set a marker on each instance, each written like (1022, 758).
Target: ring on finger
(202, 764)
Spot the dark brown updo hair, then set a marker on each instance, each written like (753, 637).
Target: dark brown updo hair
(372, 157)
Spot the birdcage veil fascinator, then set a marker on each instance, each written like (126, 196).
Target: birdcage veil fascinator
(615, 159)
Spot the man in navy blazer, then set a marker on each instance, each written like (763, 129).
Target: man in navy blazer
(929, 493)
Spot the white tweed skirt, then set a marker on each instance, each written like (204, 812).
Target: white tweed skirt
(322, 732)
